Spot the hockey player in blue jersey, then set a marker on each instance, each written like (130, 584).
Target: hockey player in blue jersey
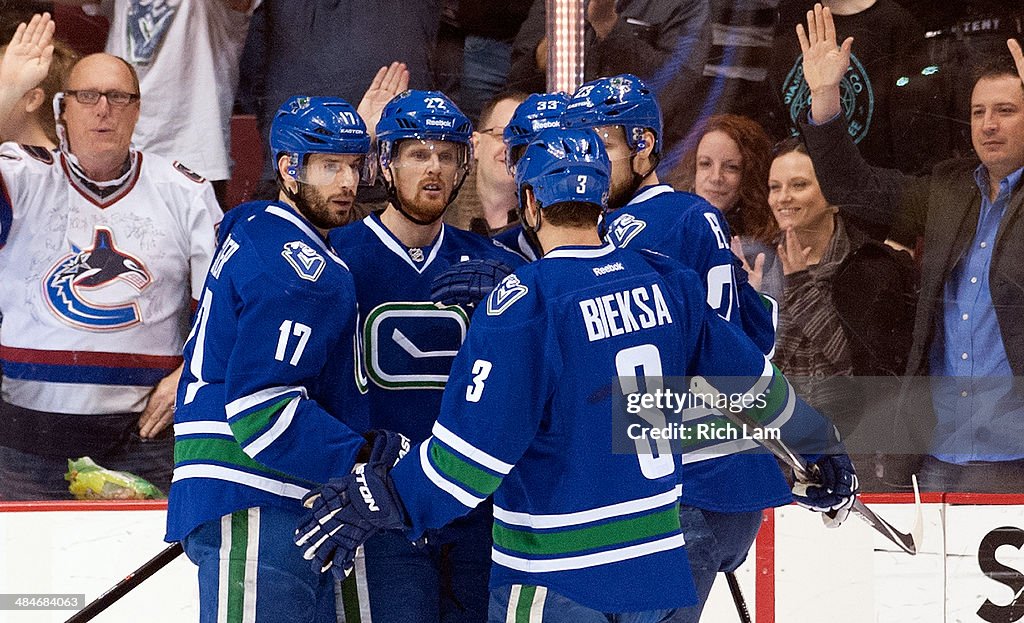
(268, 406)
(581, 534)
(409, 342)
(724, 497)
(537, 112)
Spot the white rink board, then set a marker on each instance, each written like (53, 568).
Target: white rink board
(88, 552)
(847, 575)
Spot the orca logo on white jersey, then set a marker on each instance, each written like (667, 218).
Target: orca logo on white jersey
(308, 264)
(97, 288)
(508, 292)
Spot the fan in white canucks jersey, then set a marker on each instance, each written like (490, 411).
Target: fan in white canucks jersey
(723, 497)
(269, 404)
(525, 417)
(409, 342)
(539, 111)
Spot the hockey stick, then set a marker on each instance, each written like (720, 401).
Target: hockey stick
(122, 588)
(737, 597)
(906, 542)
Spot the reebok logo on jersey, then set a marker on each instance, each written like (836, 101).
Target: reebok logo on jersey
(508, 292)
(608, 268)
(308, 264)
(613, 314)
(364, 489)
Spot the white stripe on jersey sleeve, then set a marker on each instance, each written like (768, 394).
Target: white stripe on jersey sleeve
(270, 436)
(202, 427)
(244, 403)
(470, 451)
(464, 497)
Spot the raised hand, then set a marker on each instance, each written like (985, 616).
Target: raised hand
(755, 273)
(792, 253)
(28, 56)
(824, 62)
(602, 16)
(389, 82)
(1018, 56)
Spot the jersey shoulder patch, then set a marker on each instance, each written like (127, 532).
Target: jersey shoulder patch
(505, 295)
(307, 263)
(189, 173)
(625, 228)
(39, 153)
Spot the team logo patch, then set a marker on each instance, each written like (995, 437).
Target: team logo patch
(148, 22)
(856, 94)
(308, 264)
(96, 288)
(508, 292)
(625, 228)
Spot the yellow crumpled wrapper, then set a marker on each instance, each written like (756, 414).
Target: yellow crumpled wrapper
(90, 481)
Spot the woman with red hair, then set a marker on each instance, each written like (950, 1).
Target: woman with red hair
(729, 168)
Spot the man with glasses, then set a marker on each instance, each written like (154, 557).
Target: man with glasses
(409, 344)
(102, 249)
(494, 185)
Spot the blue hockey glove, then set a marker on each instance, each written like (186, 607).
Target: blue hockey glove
(833, 491)
(344, 514)
(467, 283)
(383, 446)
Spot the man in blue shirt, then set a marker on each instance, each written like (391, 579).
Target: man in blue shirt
(968, 319)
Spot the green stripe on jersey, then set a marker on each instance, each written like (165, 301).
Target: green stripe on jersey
(350, 599)
(775, 399)
(454, 468)
(591, 538)
(525, 603)
(236, 564)
(220, 451)
(246, 427)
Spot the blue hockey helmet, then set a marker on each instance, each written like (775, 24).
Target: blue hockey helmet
(316, 125)
(537, 112)
(622, 100)
(424, 115)
(565, 165)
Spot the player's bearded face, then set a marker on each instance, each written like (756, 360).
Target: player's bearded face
(425, 174)
(620, 189)
(328, 195)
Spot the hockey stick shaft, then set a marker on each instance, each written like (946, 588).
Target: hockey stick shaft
(122, 588)
(737, 597)
(700, 385)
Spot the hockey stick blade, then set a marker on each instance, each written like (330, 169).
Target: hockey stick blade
(123, 587)
(700, 385)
